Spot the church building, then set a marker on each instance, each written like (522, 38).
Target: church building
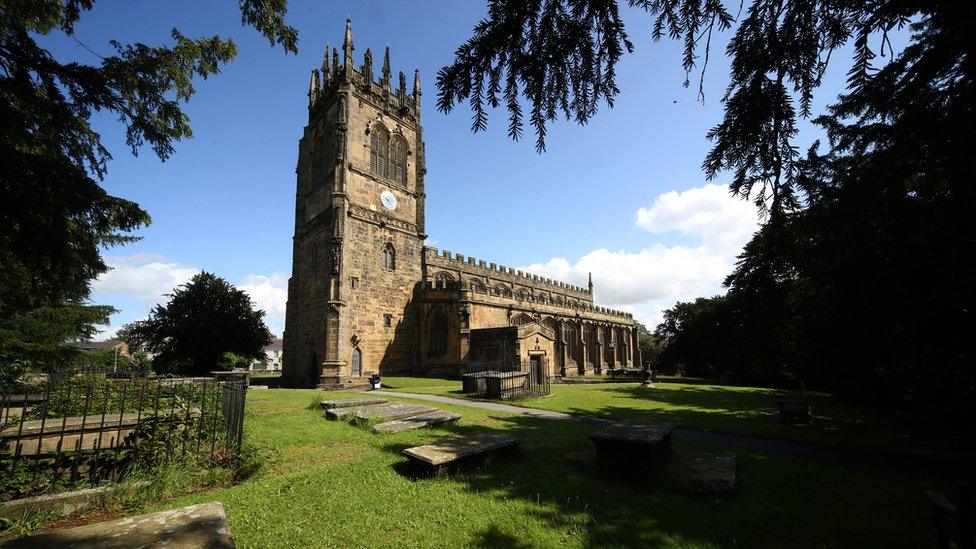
(367, 296)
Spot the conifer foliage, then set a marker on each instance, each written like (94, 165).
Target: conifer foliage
(860, 279)
(55, 218)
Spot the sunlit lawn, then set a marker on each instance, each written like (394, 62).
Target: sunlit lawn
(335, 484)
(737, 410)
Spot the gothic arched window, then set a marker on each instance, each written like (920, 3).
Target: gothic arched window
(397, 170)
(441, 279)
(379, 142)
(389, 257)
(477, 286)
(503, 290)
(437, 333)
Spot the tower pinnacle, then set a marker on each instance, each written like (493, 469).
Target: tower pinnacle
(386, 69)
(347, 48)
(590, 276)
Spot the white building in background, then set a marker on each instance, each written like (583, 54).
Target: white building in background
(272, 360)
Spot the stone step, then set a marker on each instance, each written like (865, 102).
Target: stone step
(449, 451)
(390, 412)
(349, 402)
(428, 419)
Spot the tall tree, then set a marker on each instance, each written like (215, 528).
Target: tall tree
(204, 321)
(55, 218)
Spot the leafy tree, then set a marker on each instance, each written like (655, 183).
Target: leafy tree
(860, 279)
(55, 218)
(207, 325)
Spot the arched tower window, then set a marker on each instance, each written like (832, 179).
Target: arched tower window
(389, 256)
(477, 286)
(398, 161)
(379, 142)
(442, 279)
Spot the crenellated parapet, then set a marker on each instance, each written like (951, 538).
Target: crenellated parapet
(333, 76)
(557, 293)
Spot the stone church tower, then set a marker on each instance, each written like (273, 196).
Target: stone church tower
(359, 225)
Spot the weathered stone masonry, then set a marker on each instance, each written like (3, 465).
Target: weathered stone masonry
(366, 295)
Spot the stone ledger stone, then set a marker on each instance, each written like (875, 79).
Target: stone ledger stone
(454, 449)
(428, 419)
(203, 525)
(391, 411)
(349, 402)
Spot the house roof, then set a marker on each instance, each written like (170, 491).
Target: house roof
(275, 345)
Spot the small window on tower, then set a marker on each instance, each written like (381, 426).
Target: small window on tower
(388, 321)
(389, 257)
(353, 282)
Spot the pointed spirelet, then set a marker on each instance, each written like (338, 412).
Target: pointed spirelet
(367, 69)
(386, 68)
(313, 87)
(326, 68)
(403, 84)
(416, 83)
(347, 48)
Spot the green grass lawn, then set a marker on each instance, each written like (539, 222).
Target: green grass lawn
(737, 410)
(335, 484)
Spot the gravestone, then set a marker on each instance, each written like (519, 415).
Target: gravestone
(203, 525)
(428, 419)
(349, 402)
(439, 455)
(633, 449)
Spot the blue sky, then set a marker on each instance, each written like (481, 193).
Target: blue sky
(622, 197)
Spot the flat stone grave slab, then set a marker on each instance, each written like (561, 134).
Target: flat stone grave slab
(203, 525)
(349, 411)
(428, 419)
(699, 472)
(633, 449)
(390, 411)
(350, 402)
(447, 452)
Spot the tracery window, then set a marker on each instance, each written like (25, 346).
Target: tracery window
(478, 287)
(379, 142)
(441, 279)
(388, 155)
(389, 256)
(503, 290)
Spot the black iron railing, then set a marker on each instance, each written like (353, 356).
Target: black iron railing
(507, 379)
(85, 425)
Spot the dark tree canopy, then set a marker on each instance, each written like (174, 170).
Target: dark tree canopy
(559, 56)
(55, 218)
(204, 320)
(860, 280)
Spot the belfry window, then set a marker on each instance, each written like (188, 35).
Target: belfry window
(397, 170)
(379, 142)
(389, 257)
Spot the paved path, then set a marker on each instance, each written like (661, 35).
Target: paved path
(903, 463)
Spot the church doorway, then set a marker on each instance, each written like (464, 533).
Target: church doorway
(357, 362)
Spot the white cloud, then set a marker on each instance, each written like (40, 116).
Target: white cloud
(652, 279)
(148, 278)
(270, 294)
(721, 222)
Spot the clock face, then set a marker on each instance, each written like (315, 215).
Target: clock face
(389, 201)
